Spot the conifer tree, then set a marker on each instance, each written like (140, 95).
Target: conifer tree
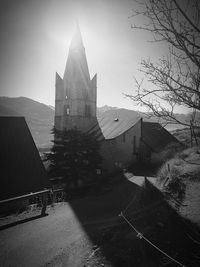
(75, 157)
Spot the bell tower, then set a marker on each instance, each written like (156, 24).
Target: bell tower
(75, 98)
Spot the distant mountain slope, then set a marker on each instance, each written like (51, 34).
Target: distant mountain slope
(28, 107)
(39, 117)
(112, 112)
(121, 113)
(7, 111)
(104, 108)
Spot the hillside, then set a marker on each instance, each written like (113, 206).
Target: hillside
(101, 110)
(113, 112)
(39, 117)
(120, 113)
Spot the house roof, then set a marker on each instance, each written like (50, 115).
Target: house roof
(113, 123)
(156, 136)
(22, 170)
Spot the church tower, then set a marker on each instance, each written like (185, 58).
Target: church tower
(75, 99)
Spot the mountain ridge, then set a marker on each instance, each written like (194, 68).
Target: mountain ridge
(40, 117)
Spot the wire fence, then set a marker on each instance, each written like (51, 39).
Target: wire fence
(141, 236)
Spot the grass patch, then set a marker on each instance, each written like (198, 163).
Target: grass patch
(184, 135)
(170, 150)
(160, 224)
(177, 171)
(185, 162)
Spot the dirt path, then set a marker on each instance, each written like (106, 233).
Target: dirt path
(59, 239)
(54, 240)
(88, 232)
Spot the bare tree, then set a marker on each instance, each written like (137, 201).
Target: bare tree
(175, 78)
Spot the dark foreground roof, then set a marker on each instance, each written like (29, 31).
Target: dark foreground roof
(21, 169)
(156, 136)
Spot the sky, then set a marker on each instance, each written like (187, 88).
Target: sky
(35, 38)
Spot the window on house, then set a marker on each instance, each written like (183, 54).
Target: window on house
(98, 171)
(68, 110)
(134, 144)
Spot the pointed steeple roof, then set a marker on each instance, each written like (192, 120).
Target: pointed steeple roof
(76, 72)
(77, 42)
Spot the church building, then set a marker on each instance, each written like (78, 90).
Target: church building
(76, 93)
(124, 138)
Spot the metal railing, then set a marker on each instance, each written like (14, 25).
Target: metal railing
(54, 195)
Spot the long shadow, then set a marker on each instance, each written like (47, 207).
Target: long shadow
(22, 221)
(116, 243)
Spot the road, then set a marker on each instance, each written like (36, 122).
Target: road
(59, 239)
(55, 240)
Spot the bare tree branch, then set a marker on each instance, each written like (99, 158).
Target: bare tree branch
(175, 79)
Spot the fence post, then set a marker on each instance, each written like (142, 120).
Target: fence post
(44, 204)
(145, 182)
(168, 167)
